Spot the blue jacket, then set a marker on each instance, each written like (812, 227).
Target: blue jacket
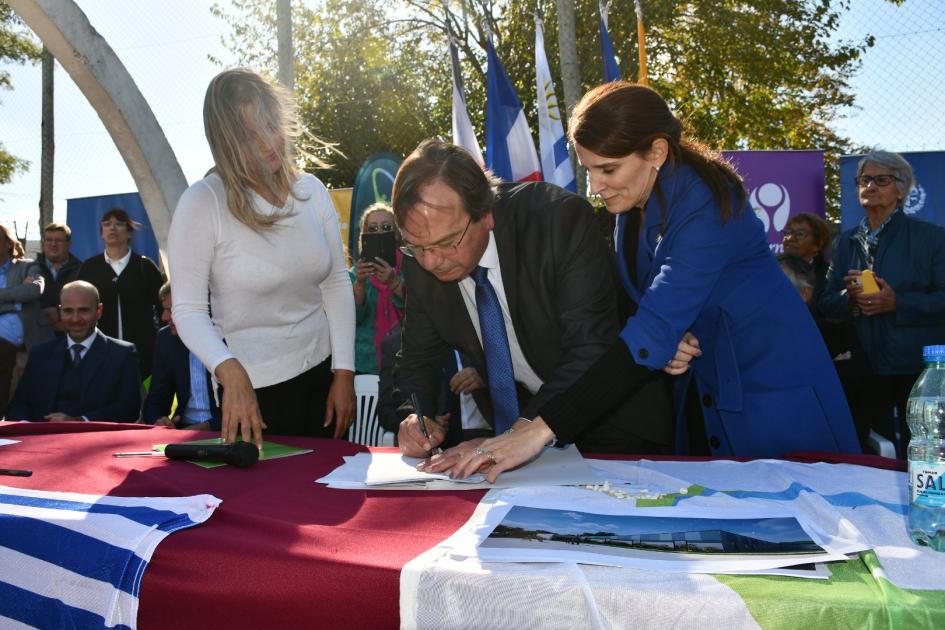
(765, 380)
(170, 376)
(911, 258)
(111, 383)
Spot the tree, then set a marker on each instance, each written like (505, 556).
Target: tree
(760, 74)
(364, 83)
(16, 46)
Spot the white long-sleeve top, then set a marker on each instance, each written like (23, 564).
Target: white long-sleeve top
(281, 299)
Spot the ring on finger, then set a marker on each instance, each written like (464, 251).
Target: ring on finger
(491, 457)
(479, 451)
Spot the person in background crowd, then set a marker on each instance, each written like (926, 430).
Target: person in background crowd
(518, 271)
(262, 240)
(21, 320)
(694, 257)
(378, 293)
(807, 236)
(59, 267)
(177, 372)
(128, 284)
(907, 258)
(83, 375)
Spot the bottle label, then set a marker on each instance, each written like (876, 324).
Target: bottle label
(927, 482)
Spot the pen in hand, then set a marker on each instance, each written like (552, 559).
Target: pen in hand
(14, 472)
(415, 401)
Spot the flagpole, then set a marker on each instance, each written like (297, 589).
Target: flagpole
(641, 41)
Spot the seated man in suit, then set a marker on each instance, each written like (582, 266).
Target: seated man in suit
(176, 371)
(84, 375)
(518, 279)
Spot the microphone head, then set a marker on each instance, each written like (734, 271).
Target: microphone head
(242, 454)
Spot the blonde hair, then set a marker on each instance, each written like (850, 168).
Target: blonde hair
(234, 98)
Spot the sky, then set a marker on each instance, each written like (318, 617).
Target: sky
(165, 47)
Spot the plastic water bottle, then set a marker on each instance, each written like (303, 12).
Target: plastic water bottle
(926, 417)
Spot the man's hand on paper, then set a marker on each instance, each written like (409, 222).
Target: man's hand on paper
(451, 458)
(410, 437)
(505, 452)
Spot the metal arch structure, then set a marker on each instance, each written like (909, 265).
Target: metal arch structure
(98, 72)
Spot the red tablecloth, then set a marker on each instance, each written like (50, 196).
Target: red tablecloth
(280, 551)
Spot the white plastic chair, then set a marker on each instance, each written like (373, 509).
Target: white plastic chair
(879, 445)
(365, 429)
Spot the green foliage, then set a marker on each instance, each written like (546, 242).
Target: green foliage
(17, 46)
(373, 75)
(364, 83)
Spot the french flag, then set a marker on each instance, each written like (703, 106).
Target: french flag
(555, 161)
(463, 133)
(510, 150)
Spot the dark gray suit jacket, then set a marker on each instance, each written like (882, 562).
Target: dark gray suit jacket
(560, 287)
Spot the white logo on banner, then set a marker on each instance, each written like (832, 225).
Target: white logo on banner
(915, 201)
(772, 203)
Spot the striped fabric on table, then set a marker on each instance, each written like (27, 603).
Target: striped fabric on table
(76, 560)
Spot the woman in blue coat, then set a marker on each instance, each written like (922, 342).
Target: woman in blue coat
(694, 257)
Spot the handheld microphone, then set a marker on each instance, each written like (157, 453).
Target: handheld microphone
(239, 454)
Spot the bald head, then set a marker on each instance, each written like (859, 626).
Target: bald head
(79, 309)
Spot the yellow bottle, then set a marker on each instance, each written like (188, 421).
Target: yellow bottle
(868, 282)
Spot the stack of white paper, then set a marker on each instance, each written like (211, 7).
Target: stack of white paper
(393, 471)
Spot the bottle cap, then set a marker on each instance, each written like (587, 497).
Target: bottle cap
(934, 353)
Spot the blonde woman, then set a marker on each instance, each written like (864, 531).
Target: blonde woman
(262, 240)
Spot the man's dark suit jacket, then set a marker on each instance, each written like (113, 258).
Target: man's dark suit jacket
(561, 291)
(111, 383)
(170, 376)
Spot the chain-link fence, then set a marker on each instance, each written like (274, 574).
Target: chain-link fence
(901, 85)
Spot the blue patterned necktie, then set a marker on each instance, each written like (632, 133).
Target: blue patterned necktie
(76, 353)
(495, 345)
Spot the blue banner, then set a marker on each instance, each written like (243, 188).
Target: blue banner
(926, 201)
(83, 216)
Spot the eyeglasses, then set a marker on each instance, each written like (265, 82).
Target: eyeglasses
(374, 228)
(799, 235)
(415, 251)
(115, 224)
(880, 180)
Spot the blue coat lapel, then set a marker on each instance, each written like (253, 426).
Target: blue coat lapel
(53, 377)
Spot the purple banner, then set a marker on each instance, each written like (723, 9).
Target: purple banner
(781, 184)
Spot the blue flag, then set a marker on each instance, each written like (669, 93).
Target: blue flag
(611, 71)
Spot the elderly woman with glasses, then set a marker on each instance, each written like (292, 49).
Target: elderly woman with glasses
(378, 292)
(907, 259)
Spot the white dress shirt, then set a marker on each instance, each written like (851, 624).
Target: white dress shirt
(524, 373)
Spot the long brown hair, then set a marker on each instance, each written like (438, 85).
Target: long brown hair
(620, 118)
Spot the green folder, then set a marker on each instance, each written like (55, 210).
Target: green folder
(270, 450)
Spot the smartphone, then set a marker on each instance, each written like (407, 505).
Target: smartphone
(379, 245)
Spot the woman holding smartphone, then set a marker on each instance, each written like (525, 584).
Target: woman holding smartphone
(378, 286)
(694, 257)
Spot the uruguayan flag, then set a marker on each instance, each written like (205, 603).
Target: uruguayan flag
(76, 560)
